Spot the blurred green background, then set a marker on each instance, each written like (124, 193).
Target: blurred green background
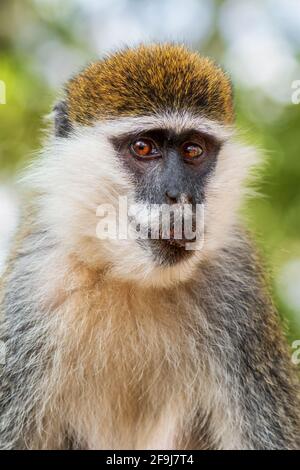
(43, 42)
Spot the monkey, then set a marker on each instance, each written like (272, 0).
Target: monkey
(141, 343)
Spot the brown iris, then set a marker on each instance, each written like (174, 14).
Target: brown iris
(144, 148)
(191, 150)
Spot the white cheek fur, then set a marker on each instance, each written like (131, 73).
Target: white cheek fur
(76, 174)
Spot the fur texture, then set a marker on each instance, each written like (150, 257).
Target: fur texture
(107, 349)
(147, 80)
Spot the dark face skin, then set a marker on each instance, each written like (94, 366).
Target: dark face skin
(168, 168)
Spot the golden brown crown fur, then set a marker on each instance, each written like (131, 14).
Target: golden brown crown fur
(147, 80)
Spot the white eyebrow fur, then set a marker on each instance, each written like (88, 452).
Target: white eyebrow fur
(178, 121)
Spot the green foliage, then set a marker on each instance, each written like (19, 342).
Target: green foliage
(27, 101)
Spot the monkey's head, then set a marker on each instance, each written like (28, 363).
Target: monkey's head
(152, 125)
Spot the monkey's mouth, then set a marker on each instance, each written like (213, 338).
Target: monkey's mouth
(168, 244)
(172, 237)
(168, 250)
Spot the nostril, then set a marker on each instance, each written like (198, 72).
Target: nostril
(189, 199)
(175, 197)
(172, 196)
(185, 199)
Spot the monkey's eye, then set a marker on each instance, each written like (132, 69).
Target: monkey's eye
(144, 148)
(191, 150)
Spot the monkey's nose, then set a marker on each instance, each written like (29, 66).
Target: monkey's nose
(172, 196)
(176, 197)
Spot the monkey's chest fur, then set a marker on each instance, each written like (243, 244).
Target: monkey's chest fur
(129, 369)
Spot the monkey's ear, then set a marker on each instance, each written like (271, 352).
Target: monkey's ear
(62, 124)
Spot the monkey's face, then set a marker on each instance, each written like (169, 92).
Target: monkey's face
(149, 126)
(170, 168)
